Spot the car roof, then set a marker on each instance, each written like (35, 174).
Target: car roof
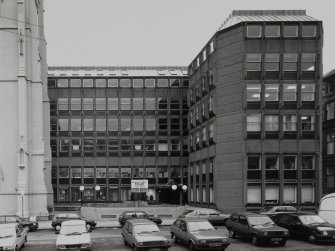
(298, 213)
(141, 222)
(191, 219)
(249, 214)
(73, 222)
(8, 225)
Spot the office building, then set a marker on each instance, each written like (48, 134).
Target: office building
(255, 112)
(328, 133)
(25, 158)
(110, 125)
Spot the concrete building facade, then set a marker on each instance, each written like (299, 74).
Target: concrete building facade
(110, 125)
(255, 113)
(25, 158)
(328, 126)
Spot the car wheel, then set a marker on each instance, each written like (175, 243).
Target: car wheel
(282, 243)
(57, 227)
(17, 248)
(311, 239)
(254, 240)
(27, 227)
(232, 234)
(89, 226)
(192, 247)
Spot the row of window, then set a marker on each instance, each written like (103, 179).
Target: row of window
(289, 162)
(201, 135)
(202, 108)
(114, 104)
(271, 123)
(286, 31)
(272, 193)
(201, 194)
(199, 89)
(115, 82)
(209, 49)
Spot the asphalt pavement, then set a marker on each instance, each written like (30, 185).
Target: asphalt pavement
(106, 239)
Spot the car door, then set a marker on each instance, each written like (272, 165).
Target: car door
(283, 220)
(176, 228)
(296, 227)
(127, 234)
(243, 226)
(183, 231)
(19, 235)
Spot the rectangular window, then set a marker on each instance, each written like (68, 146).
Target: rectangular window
(271, 163)
(125, 124)
(100, 82)
(330, 111)
(87, 82)
(289, 92)
(307, 162)
(113, 82)
(330, 177)
(308, 31)
(100, 172)
(113, 124)
(272, 62)
(138, 145)
(254, 163)
(271, 92)
(307, 123)
(211, 130)
(254, 62)
(150, 145)
(211, 47)
(174, 104)
(271, 123)
(137, 83)
(271, 194)
(150, 82)
(75, 82)
(211, 103)
(88, 125)
(174, 82)
(290, 31)
(75, 104)
(101, 145)
(254, 31)
(163, 145)
(254, 92)
(64, 172)
(162, 104)
(254, 194)
(290, 162)
(254, 123)
(138, 104)
(100, 125)
(88, 172)
(63, 83)
(162, 82)
(76, 145)
(125, 104)
(113, 172)
(289, 123)
(100, 104)
(76, 172)
(125, 82)
(330, 143)
(138, 124)
(290, 193)
(63, 104)
(88, 146)
(290, 62)
(307, 194)
(88, 104)
(150, 104)
(64, 145)
(76, 125)
(272, 31)
(150, 124)
(113, 104)
(113, 145)
(308, 62)
(307, 92)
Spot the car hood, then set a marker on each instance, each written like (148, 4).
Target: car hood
(269, 228)
(323, 227)
(150, 237)
(73, 239)
(10, 241)
(208, 234)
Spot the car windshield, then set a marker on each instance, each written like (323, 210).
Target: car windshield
(199, 226)
(263, 220)
(144, 229)
(311, 219)
(187, 212)
(73, 229)
(7, 232)
(291, 209)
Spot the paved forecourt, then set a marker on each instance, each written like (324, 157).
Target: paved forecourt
(106, 239)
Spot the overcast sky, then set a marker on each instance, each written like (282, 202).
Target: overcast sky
(153, 32)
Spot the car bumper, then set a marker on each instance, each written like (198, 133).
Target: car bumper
(154, 248)
(211, 245)
(75, 249)
(272, 239)
(326, 238)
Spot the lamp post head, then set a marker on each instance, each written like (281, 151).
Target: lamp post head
(81, 188)
(174, 187)
(184, 187)
(97, 188)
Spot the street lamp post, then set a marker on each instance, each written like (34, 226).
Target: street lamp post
(97, 188)
(181, 195)
(81, 188)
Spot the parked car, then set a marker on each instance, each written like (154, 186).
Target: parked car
(12, 236)
(257, 228)
(59, 218)
(215, 217)
(127, 215)
(327, 208)
(198, 234)
(271, 211)
(307, 226)
(143, 234)
(74, 235)
(27, 224)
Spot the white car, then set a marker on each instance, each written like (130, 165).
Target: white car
(74, 235)
(12, 236)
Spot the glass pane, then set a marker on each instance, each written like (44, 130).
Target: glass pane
(125, 82)
(113, 124)
(88, 104)
(290, 162)
(63, 83)
(138, 124)
(113, 82)
(290, 31)
(87, 82)
(100, 104)
(100, 82)
(137, 82)
(113, 104)
(76, 125)
(75, 104)
(75, 82)
(272, 31)
(308, 31)
(63, 104)
(125, 104)
(138, 104)
(100, 125)
(150, 124)
(125, 124)
(63, 125)
(150, 82)
(254, 30)
(88, 124)
(150, 103)
(162, 82)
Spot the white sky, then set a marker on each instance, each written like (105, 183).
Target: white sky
(153, 32)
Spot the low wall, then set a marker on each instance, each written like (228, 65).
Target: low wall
(110, 213)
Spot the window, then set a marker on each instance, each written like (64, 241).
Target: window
(125, 82)
(174, 82)
(308, 31)
(290, 193)
(307, 194)
(63, 172)
(100, 104)
(197, 137)
(125, 172)
(150, 124)
(113, 124)
(75, 125)
(271, 194)
(125, 145)
(211, 103)
(197, 113)
(203, 111)
(113, 172)
(290, 31)
(330, 177)
(289, 92)
(271, 123)
(290, 163)
(150, 82)
(63, 104)
(63, 125)
(76, 146)
(204, 53)
(87, 82)
(88, 104)
(75, 82)
(290, 123)
(100, 82)
(113, 104)
(254, 31)
(113, 145)
(254, 163)
(150, 145)
(330, 138)
(271, 163)
(113, 82)
(271, 92)
(63, 83)
(272, 62)
(76, 172)
(51, 83)
(125, 124)
(211, 130)
(138, 104)
(211, 77)
(204, 134)
(211, 47)
(308, 62)
(254, 194)
(101, 145)
(254, 62)
(125, 104)
(88, 146)
(138, 124)
(64, 146)
(88, 172)
(175, 145)
(137, 83)
(254, 123)
(150, 104)
(272, 31)
(75, 104)
(162, 82)
(330, 111)
(162, 104)
(307, 162)
(88, 125)
(290, 62)
(253, 92)
(137, 172)
(307, 123)
(100, 125)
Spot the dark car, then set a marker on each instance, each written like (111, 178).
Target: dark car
(198, 234)
(257, 228)
(59, 218)
(27, 224)
(127, 215)
(143, 234)
(272, 211)
(215, 217)
(307, 226)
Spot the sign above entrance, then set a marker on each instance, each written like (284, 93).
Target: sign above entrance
(138, 186)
